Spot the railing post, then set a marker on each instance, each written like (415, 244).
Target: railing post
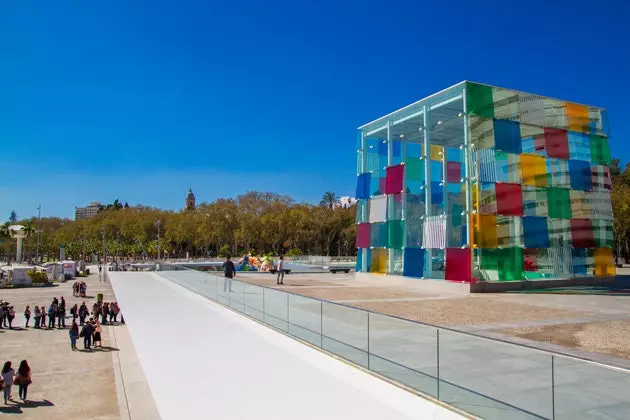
(368, 339)
(438, 363)
(288, 322)
(553, 390)
(263, 314)
(321, 324)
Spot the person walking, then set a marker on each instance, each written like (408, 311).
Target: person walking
(51, 315)
(7, 376)
(27, 315)
(229, 271)
(86, 333)
(74, 334)
(23, 379)
(280, 268)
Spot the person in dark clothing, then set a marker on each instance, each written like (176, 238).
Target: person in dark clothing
(83, 313)
(27, 314)
(52, 312)
(105, 313)
(86, 333)
(61, 316)
(11, 316)
(74, 311)
(23, 379)
(229, 271)
(74, 334)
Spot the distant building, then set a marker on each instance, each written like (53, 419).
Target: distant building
(88, 211)
(346, 201)
(190, 201)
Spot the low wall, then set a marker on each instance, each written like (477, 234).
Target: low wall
(439, 285)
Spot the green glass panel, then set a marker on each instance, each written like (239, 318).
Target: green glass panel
(414, 169)
(479, 100)
(395, 231)
(559, 203)
(600, 150)
(490, 259)
(511, 264)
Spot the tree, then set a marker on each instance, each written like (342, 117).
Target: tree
(13, 216)
(126, 205)
(329, 199)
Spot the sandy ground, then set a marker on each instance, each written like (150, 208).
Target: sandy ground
(610, 337)
(66, 385)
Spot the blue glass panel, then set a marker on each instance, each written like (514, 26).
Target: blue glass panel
(414, 262)
(437, 193)
(436, 171)
(363, 186)
(579, 261)
(507, 136)
(580, 174)
(535, 232)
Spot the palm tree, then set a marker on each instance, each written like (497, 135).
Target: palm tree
(329, 199)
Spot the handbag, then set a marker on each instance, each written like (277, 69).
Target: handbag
(22, 380)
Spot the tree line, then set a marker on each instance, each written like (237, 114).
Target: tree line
(257, 222)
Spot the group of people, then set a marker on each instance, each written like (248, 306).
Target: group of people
(90, 332)
(56, 313)
(7, 314)
(9, 378)
(79, 289)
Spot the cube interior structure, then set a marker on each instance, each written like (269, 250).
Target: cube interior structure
(480, 183)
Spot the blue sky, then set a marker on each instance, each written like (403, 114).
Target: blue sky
(138, 100)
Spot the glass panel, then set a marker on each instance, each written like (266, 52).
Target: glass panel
(584, 390)
(345, 332)
(253, 299)
(237, 296)
(494, 380)
(378, 261)
(405, 352)
(305, 319)
(276, 308)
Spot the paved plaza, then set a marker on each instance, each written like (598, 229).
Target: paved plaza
(594, 326)
(102, 384)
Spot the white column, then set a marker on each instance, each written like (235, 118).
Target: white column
(20, 240)
(427, 181)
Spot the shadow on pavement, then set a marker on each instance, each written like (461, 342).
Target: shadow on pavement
(11, 409)
(34, 404)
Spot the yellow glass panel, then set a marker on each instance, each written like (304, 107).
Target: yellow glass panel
(577, 116)
(437, 152)
(604, 264)
(485, 231)
(378, 263)
(534, 170)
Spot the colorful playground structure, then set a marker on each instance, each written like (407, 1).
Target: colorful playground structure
(253, 263)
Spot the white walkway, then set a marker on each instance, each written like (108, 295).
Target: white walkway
(203, 361)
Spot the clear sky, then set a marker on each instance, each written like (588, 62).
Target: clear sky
(137, 100)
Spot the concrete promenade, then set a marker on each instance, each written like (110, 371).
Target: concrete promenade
(204, 361)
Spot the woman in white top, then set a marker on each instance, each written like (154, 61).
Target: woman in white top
(7, 376)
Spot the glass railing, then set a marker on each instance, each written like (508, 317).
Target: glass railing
(484, 377)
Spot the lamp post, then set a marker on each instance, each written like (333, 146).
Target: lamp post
(39, 229)
(158, 240)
